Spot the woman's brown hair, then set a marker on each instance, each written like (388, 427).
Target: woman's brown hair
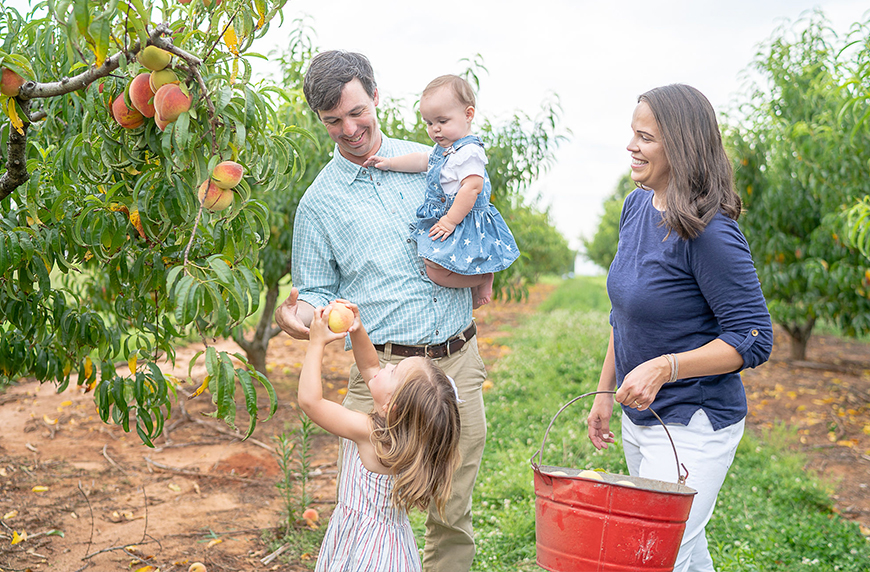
(419, 438)
(701, 180)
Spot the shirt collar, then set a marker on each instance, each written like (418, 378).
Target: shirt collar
(349, 171)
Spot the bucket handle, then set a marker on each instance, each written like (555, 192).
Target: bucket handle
(681, 479)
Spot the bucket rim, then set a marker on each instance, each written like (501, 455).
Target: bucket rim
(649, 485)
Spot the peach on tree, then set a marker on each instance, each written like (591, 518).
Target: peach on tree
(170, 101)
(125, 116)
(141, 94)
(154, 58)
(227, 174)
(213, 197)
(10, 83)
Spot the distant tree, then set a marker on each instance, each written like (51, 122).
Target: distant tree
(601, 248)
(309, 155)
(800, 161)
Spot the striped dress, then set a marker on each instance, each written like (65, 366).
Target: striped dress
(366, 533)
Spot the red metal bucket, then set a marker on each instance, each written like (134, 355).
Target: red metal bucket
(587, 525)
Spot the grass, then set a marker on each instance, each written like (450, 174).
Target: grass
(556, 355)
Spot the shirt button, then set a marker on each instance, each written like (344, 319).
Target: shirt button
(436, 332)
(435, 300)
(422, 273)
(408, 240)
(443, 199)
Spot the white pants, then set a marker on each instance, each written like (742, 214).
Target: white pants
(707, 455)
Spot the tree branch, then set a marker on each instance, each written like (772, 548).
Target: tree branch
(16, 166)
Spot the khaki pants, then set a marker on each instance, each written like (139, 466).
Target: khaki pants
(449, 542)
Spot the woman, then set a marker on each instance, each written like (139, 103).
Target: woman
(687, 309)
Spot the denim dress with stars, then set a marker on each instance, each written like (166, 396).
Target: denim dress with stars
(481, 243)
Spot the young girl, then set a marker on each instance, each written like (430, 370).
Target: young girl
(457, 195)
(401, 455)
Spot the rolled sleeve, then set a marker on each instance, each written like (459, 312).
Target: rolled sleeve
(755, 347)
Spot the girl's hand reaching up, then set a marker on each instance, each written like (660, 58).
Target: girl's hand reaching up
(319, 332)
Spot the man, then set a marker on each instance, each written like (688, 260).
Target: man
(351, 240)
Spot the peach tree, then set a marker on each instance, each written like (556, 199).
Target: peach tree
(136, 152)
(801, 157)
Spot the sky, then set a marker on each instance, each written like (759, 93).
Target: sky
(595, 56)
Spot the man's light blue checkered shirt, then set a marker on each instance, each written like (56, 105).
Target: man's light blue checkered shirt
(350, 240)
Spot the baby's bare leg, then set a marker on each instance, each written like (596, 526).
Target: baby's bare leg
(480, 284)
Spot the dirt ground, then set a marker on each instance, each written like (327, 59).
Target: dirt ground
(203, 495)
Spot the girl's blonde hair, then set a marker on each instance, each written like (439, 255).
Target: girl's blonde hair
(461, 88)
(419, 438)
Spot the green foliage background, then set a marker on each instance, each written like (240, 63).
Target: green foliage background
(801, 156)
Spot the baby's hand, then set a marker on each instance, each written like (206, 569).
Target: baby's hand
(381, 163)
(319, 332)
(442, 229)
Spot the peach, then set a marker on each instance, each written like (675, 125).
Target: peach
(170, 101)
(10, 83)
(310, 515)
(213, 197)
(161, 125)
(154, 58)
(340, 318)
(161, 78)
(141, 94)
(590, 474)
(125, 116)
(227, 174)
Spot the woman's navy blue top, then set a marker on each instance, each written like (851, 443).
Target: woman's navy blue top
(670, 295)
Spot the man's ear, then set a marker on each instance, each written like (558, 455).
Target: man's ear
(376, 97)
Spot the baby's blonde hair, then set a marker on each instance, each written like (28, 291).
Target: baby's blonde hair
(419, 438)
(461, 88)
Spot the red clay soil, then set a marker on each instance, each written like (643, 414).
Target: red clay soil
(204, 495)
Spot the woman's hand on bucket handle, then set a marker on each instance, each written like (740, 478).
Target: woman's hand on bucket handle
(642, 384)
(599, 421)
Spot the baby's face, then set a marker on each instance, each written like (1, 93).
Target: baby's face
(447, 119)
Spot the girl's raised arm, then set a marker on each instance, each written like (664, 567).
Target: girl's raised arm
(364, 353)
(327, 414)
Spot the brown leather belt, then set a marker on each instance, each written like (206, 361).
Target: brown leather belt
(433, 351)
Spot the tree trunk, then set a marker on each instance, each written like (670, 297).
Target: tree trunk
(799, 336)
(256, 348)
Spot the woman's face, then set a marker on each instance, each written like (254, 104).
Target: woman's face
(649, 164)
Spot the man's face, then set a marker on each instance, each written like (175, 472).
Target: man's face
(353, 123)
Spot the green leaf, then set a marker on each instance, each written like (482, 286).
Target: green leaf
(221, 269)
(250, 399)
